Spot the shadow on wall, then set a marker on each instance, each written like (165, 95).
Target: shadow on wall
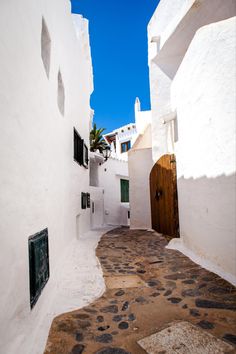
(207, 209)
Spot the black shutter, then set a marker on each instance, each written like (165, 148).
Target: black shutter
(75, 145)
(38, 264)
(81, 152)
(86, 159)
(78, 148)
(83, 200)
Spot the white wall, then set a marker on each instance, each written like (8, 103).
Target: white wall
(140, 165)
(40, 184)
(95, 159)
(206, 151)
(96, 207)
(110, 174)
(170, 32)
(196, 63)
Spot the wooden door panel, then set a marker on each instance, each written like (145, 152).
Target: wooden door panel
(163, 192)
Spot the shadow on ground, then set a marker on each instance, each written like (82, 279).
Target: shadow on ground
(147, 287)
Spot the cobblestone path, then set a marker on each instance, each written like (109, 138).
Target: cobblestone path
(148, 287)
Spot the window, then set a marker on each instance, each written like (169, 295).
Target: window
(45, 47)
(38, 264)
(124, 188)
(60, 94)
(78, 148)
(125, 146)
(83, 200)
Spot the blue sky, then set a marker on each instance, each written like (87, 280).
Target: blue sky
(118, 39)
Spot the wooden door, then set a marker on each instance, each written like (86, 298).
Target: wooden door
(164, 200)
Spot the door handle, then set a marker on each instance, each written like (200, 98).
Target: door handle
(158, 194)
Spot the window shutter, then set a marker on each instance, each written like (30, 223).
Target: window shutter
(81, 151)
(38, 264)
(124, 186)
(85, 155)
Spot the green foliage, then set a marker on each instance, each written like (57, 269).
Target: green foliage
(96, 139)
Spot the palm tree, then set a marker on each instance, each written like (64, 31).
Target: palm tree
(96, 139)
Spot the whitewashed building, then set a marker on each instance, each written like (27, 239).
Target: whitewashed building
(191, 53)
(46, 83)
(121, 140)
(109, 180)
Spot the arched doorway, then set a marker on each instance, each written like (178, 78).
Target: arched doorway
(163, 193)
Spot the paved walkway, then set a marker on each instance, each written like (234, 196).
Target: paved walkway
(147, 287)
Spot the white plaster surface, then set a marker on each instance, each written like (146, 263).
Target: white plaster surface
(144, 140)
(97, 211)
(206, 149)
(95, 159)
(40, 183)
(140, 165)
(142, 118)
(176, 24)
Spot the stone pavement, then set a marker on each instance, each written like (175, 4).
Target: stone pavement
(147, 288)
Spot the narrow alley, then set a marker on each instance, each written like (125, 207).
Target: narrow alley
(118, 177)
(148, 288)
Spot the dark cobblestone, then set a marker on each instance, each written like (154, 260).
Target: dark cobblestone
(174, 300)
(78, 349)
(112, 351)
(214, 304)
(230, 337)
(125, 306)
(194, 312)
(100, 318)
(123, 325)
(131, 317)
(79, 336)
(205, 324)
(120, 293)
(111, 309)
(104, 338)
